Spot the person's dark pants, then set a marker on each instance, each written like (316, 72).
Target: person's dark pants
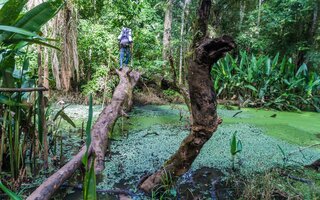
(124, 56)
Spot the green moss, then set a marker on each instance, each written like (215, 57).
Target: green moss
(297, 128)
(155, 133)
(148, 116)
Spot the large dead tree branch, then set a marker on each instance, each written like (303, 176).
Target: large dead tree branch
(206, 52)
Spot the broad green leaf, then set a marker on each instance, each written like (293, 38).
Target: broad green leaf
(11, 194)
(251, 88)
(88, 132)
(90, 191)
(58, 113)
(22, 42)
(17, 30)
(34, 19)
(283, 65)
(302, 69)
(239, 146)
(233, 144)
(88, 128)
(67, 118)
(10, 11)
(275, 61)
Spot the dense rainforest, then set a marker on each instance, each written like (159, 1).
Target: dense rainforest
(159, 99)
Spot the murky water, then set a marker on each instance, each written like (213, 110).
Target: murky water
(142, 144)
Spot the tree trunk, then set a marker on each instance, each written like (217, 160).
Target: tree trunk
(315, 19)
(186, 2)
(241, 13)
(46, 71)
(121, 101)
(259, 13)
(100, 130)
(52, 184)
(206, 52)
(42, 130)
(167, 32)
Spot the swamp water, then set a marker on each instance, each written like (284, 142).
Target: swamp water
(143, 143)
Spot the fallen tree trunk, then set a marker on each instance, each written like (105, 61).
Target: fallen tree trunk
(206, 52)
(121, 101)
(47, 188)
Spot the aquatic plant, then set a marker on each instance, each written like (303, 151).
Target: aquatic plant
(167, 189)
(12, 195)
(18, 110)
(89, 183)
(235, 147)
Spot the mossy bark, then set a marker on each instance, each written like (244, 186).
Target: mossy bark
(206, 52)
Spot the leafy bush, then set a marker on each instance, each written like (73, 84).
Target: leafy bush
(268, 82)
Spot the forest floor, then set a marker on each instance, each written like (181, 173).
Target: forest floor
(141, 144)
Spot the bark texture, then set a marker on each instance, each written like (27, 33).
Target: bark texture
(167, 31)
(121, 100)
(184, 9)
(47, 189)
(206, 52)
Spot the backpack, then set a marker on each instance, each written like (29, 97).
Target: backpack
(125, 37)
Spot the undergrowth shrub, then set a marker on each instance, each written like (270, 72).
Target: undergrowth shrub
(267, 82)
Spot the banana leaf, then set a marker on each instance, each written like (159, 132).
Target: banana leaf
(34, 19)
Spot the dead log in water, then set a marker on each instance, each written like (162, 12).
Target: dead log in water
(121, 102)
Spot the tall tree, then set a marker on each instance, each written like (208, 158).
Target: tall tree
(167, 31)
(206, 52)
(184, 8)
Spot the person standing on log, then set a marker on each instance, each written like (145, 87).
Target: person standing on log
(125, 46)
